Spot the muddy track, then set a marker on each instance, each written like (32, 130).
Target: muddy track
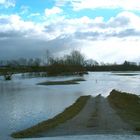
(96, 117)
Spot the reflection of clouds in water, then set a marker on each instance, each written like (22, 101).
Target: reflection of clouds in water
(9, 86)
(23, 103)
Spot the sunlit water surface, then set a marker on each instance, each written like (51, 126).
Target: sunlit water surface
(23, 103)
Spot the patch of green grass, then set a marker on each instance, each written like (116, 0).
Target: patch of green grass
(67, 82)
(44, 126)
(127, 106)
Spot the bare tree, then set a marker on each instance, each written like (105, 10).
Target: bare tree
(75, 58)
(48, 58)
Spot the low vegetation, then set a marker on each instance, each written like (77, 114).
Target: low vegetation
(67, 82)
(67, 114)
(127, 106)
(67, 65)
(70, 64)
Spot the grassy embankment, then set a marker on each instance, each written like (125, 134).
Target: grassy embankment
(67, 82)
(67, 114)
(127, 106)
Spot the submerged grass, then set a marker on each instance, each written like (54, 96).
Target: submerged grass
(44, 126)
(127, 106)
(126, 74)
(67, 82)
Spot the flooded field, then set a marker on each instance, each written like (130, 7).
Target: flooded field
(23, 103)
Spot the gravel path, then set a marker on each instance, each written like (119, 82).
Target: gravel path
(96, 117)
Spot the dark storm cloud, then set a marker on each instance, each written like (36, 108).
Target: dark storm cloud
(13, 48)
(15, 45)
(11, 34)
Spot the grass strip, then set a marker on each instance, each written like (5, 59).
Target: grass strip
(127, 106)
(67, 82)
(44, 126)
(126, 74)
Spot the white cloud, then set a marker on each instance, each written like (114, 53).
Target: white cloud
(117, 39)
(24, 29)
(7, 3)
(112, 50)
(134, 19)
(124, 24)
(114, 40)
(111, 4)
(53, 11)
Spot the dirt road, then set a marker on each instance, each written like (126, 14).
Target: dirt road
(96, 117)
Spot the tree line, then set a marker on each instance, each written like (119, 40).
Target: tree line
(67, 64)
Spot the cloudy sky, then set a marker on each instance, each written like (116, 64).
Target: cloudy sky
(105, 30)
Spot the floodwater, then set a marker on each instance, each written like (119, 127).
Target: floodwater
(23, 103)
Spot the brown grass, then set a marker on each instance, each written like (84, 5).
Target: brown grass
(68, 82)
(127, 106)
